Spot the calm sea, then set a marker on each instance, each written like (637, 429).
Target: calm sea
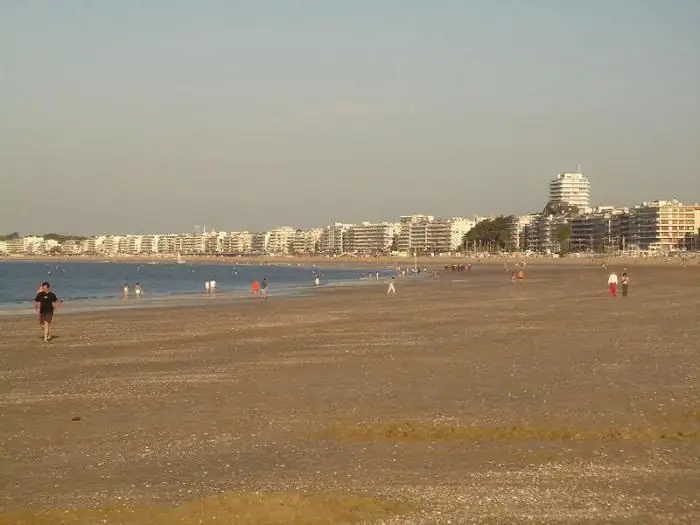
(88, 285)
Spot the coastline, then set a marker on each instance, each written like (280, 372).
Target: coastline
(182, 300)
(693, 259)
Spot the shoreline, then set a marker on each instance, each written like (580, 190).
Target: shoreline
(180, 300)
(693, 259)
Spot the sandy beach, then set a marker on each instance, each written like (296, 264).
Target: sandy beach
(468, 399)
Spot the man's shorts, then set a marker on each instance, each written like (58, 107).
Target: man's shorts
(45, 318)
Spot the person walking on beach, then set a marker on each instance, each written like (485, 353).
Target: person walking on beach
(263, 289)
(317, 282)
(392, 289)
(612, 284)
(625, 282)
(207, 288)
(125, 295)
(212, 287)
(255, 287)
(45, 304)
(137, 290)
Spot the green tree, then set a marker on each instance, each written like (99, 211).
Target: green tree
(395, 243)
(564, 236)
(491, 234)
(9, 236)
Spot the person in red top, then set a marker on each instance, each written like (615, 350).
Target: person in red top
(255, 287)
(45, 304)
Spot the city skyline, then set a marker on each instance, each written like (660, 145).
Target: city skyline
(158, 116)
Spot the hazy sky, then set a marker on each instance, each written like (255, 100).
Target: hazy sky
(141, 116)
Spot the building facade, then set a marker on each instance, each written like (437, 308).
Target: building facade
(572, 188)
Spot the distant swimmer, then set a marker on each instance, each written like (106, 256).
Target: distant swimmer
(137, 290)
(46, 303)
(125, 294)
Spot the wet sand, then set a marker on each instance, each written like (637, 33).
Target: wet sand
(467, 400)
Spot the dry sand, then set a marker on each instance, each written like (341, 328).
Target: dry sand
(464, 400)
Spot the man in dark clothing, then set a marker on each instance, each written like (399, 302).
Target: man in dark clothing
(45, 304)
(625, 283)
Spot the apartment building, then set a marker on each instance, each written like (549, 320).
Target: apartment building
(518, 231)
(601, 230)
(542, 234)
(428, 235)
(280, 240)
(406, 230)
(236, 243)
(259, 243)
(572, 188)
(166, 244)
(306, 242)
(15, 245)
(663, 225)
(333, 238)
(369, 238)
(3, 247)
(149, 245)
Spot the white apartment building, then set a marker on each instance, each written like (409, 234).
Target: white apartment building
(663, 225)
(333, 238)
(369, 238)
(3, 247)
(425, 234)
(110, 245)
(572, 188)
(259, 243)
(280, 240)
(166, 244)
(306, 241)
(406, 244)
(518, 231)
(149, 244)
(33, 244)
(238, 243)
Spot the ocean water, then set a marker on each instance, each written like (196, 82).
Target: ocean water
(99, 284)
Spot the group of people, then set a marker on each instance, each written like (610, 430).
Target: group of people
(138, 291)
(210, 287)
(623, 281)
(259, 288)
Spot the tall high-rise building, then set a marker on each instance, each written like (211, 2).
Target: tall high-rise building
(572, 188)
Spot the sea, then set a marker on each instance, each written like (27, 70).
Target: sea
(85, 286)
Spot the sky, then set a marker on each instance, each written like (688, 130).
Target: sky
(142, 117)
